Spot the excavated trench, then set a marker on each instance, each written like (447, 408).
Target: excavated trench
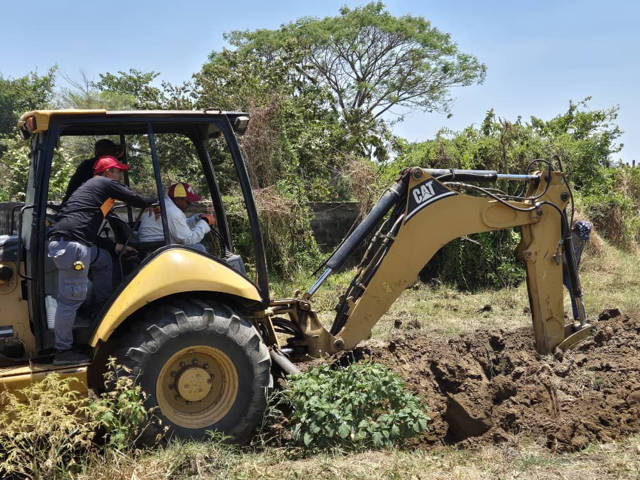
(492, 387)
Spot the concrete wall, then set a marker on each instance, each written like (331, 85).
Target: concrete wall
(332, 221)
(7, 210)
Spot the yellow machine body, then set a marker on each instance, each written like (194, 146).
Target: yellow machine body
(176, 270)
(13, 379)
(14, 312)
(38, 120)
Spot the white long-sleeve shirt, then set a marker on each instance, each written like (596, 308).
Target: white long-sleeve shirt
(182, 230)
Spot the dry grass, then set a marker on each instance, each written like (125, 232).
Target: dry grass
(525, 460)
(362, 178)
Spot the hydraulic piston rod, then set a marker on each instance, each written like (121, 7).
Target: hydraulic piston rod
(379, 210)
(477, 175)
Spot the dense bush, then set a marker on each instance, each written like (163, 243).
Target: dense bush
(613, 205)
(45, 429)
(583, 140)
(477, 261)
(119, 412)
(48, 430)
(362, 405)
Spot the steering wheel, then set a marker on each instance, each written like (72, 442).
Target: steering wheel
(136, 224)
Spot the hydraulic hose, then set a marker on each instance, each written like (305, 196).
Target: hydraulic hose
(451, 174)
(388, 200)
(379, 210)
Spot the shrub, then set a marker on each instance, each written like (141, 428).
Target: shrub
(120, 412)
(612, 205)
(44, 429)
(482, 260)
(362, 405)
(48, 430)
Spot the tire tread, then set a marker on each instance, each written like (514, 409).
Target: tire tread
(164, 322)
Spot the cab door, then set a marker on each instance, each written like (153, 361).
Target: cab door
(32, 247)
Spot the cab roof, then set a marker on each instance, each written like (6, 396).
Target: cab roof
(120, 121)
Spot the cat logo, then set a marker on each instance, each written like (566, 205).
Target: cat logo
(424, 193)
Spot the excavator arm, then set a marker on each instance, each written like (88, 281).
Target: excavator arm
(420, 214)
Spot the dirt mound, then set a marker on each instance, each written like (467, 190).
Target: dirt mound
(491, 386)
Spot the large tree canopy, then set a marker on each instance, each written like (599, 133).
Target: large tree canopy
(23, 94)
(367, 60)
(18, 95)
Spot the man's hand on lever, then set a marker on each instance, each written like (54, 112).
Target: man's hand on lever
(210, 219)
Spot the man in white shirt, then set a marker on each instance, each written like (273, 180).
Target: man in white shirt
(182, 230)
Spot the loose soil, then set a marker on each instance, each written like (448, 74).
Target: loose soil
(491, 387)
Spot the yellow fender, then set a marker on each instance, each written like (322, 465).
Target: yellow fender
(173, 271)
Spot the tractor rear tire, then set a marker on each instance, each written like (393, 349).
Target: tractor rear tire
(202, 366)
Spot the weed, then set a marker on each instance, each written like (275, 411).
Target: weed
(44, 429)
(120, 411)
(362, 405)
(49, 430)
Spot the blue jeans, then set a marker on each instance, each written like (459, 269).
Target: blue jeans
(73, 284)
(197, 246)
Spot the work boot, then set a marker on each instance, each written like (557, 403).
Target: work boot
(70, 357)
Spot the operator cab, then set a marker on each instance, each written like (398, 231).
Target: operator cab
(161, 148)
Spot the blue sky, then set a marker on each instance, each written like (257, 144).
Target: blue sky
(539, 54)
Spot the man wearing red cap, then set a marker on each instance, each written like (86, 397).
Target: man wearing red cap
(84, 171)
(73, 245)
(182, 230)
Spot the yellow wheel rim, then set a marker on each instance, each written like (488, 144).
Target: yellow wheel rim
(197, 386)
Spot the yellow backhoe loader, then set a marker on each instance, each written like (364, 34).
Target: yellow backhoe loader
(203, 338)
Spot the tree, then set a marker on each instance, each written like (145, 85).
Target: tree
(134, 84)
(584, 139)
(22, 94)
(293, 148)
(17, 96)
(144, 95)
(368, 61)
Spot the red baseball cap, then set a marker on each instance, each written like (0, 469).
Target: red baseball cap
(106, 162)
(183, 190)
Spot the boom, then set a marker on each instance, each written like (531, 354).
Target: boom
(424, 211)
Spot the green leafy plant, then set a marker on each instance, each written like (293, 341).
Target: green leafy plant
(120, 411)
(362, 405)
